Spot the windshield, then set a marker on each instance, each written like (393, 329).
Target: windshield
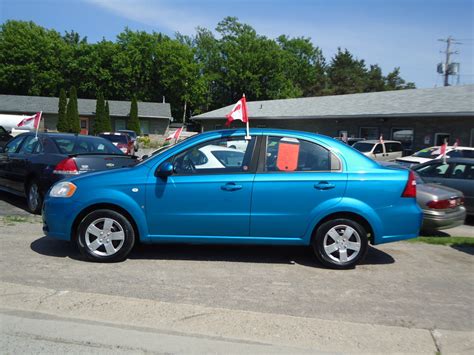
(85, 144)
(363, 147)
(115, 138)
(429, 153)
(132, 134)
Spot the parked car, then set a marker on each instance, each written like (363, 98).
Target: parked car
(457, 173)
(432, 153)
(132, 135)
(386, 151)
(442, 206)
(5, 136)
(30, 165)
(351, 140)
(288, 188)
(121, 140)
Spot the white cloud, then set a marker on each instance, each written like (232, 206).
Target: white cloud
(156, 14)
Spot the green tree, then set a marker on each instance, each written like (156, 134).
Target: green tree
(99, 119)
(393, 81)
(346, 74)
(72, 112)
(133, 121)
(107, 122)
(63, 123)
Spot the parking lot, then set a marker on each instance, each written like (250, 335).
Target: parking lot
(413, 297)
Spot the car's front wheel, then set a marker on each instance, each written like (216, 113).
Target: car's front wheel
(340, 243)
(105, 236)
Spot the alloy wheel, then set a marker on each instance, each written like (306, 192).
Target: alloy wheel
(104, 237)
(342, 244)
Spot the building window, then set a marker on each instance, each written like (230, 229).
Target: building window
(119, 124)
(218, 126)
(404, 136)
(145, 126)
(369, 132)
(440, 137)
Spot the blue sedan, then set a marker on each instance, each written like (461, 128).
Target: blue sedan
(280, 187)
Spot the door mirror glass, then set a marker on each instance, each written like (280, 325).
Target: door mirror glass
(164, 170)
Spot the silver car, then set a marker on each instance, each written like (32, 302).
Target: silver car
(443, 207)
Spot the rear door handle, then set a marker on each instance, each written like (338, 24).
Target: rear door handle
(231, 186)
(324, 185)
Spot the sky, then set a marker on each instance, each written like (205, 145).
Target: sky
(389, 33)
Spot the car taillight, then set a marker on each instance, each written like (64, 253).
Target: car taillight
(410, 188)
(445, 204)
(66, 166)
(123, 147)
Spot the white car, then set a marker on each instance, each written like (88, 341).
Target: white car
(427, 154)
(386, 151)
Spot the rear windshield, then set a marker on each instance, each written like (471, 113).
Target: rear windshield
(363, 147)
(132, 134)
(429, 153)
(85, 144)
(115, 138)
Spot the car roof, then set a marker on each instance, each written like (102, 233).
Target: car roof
(373, 141)
(113, 133)
(449, 160)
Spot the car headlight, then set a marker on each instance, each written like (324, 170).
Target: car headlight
(63, 189)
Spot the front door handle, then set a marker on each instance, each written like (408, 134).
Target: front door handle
(324, 185)
(231, 186)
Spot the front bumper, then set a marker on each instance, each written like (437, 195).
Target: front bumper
(58, 216)
(436, 220)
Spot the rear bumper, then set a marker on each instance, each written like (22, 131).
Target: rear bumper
(435, 220)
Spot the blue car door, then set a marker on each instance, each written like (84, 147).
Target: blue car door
(209, 193)
(295, 181)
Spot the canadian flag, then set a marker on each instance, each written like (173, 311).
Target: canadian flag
(31, 122)
(381, 138)
(175, 135)
(456, 144)
(239, 112)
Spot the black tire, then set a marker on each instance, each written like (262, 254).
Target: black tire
(34, 197)
(323, 243)
(88, 237)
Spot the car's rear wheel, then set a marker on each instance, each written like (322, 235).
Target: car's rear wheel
(34, 198)
(340, 243)
(105, 236)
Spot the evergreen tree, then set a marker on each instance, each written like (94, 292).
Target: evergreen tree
(63, 123)
(133, 122)
(99, 114)
(107, 122)
(72, 112)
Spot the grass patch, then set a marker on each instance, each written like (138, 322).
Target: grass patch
(461, 241)
(14, 219)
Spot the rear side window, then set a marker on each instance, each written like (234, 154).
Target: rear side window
(458, 171)
(284, 154)
(393, 147)
(433, 170)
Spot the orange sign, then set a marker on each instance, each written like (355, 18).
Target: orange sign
(288, 154)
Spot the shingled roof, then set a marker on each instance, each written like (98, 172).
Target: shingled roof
(30, 104)
(443, 101)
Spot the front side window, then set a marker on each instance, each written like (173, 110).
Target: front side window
(458, 171)
(378, 149)
(13, 145)
(29, 145)
(219, 156)
(284, 154)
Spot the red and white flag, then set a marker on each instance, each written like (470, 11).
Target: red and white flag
(381, 138)
(442, 150)
(31, 122)
(239, 112)
(456, 144)
(175, 135)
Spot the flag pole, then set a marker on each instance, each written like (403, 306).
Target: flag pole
(39, 122)
(247, 137)
(445, 148)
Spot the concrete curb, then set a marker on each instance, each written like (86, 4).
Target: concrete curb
(297, 332)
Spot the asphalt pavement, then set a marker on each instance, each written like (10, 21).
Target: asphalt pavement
(405, 298)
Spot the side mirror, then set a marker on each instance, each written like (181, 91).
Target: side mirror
(164, 170)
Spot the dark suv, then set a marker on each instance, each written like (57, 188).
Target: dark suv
(5, 136)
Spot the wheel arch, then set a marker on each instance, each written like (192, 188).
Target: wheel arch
(109, 206)
(347, 215)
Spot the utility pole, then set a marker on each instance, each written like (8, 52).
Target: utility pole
(447, 68)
